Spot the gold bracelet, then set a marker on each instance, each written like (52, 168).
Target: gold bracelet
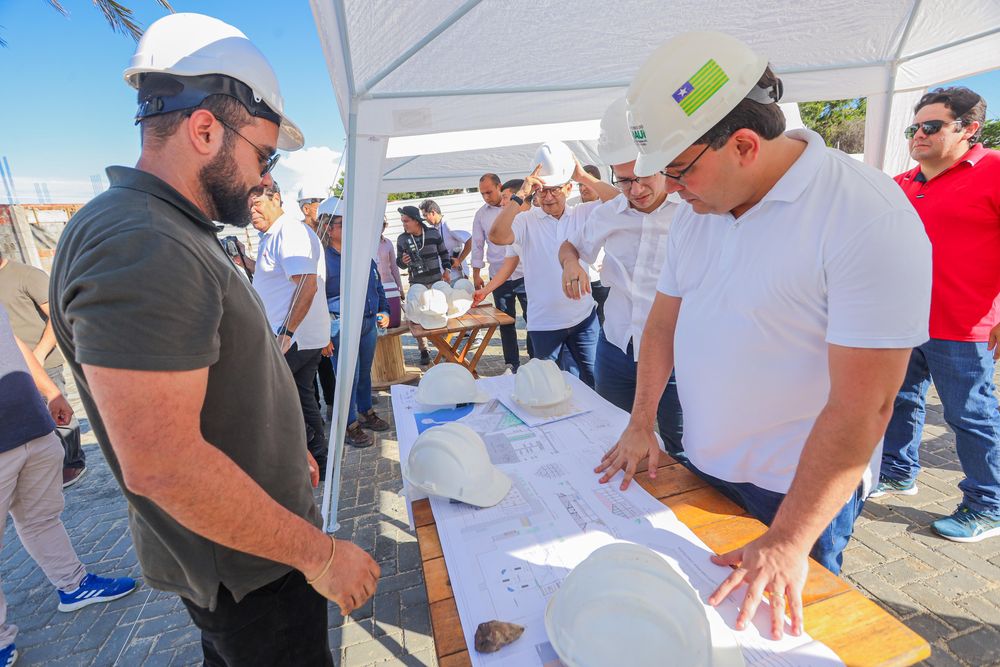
(328, 562)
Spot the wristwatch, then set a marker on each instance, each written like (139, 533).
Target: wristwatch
(517, 200)
(284, 331)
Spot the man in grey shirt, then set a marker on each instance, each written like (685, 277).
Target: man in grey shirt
(191, 400)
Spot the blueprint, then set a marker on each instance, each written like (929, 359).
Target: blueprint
(507, 561)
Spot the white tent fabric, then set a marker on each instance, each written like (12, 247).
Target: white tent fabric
(407, 67)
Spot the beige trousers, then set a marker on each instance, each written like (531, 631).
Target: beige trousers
(31, 490)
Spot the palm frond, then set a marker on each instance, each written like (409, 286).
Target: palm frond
(56, 5)
(121, 17)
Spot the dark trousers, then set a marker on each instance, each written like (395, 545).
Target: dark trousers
(763, 505)
(506, 297)
(600, 294)
(615, 372)
(581, 342)
(326, 374)
(303, 365)
(282, 623)
(69, 435)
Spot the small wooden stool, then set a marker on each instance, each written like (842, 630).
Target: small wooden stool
(387, 366)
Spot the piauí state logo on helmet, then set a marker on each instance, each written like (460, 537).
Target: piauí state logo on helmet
(639, 135)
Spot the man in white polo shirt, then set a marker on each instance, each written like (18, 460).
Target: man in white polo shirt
(631, 229)
(554, 320)
(289, 277)
(506, 296)
(796, 281)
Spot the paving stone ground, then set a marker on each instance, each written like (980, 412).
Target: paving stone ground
(947, 592)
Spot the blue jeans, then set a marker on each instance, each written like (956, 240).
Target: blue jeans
(763, 506)
(506, 297)
(580, 340)
(963, 375)
(361, 393)
(616, 373)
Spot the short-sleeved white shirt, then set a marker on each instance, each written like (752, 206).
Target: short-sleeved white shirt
(289, 248)
(482, 223)
(538, 236)
(455, 242)
(634, 244)
(833, 254)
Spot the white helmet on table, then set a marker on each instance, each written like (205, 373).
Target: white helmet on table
(451, 461)
(183, 58)
(449, 384)
(465, 285)
(684, 88)
(625, 604)
(557, 161)
(431, 309)
(540, 384)
(615, 144)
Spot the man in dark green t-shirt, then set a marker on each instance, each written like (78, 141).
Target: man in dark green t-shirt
(190, 397)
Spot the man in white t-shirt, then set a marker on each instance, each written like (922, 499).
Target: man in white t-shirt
(631, 231)
(554, 320)
(506, 296)
(796, 282)
(289, 277)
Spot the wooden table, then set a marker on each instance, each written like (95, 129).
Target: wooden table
(456, 342)
(855, 628)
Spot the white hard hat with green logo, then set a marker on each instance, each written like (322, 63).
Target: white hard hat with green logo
(684, 88)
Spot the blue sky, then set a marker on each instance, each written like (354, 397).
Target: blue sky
(68, 113)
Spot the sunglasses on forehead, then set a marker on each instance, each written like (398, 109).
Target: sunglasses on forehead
(928, 127)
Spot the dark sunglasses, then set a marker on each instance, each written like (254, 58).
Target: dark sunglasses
(928, 127)
(268, 160)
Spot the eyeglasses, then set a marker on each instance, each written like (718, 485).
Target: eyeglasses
(624, 184)
(268, 160)
(928, 127)
(306, 202)
(679, 175)
(544, 192)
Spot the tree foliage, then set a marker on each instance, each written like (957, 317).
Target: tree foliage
(841, 123)
(990, 136)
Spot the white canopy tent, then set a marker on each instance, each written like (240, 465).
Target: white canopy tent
(404, 68)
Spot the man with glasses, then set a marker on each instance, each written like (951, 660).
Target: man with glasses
(955, 188)
(179, 370)
(309, 199)
(796, 282)
(631, 230)
(536, 232)
(289, 277)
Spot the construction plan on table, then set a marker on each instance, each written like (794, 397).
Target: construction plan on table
(505, 562)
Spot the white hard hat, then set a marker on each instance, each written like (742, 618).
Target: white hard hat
(195, 45)
(431, 309)
(540, 384)
(413, 301)
(313, 191)
(465, 285)
(335, 207)
(449, 384)
(459, 302)
(451, 461)
(615, 144)
(684, 88)
(442, 286)
(558, 163)
(626, 605)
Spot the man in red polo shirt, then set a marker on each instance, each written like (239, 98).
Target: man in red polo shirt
(956, 190)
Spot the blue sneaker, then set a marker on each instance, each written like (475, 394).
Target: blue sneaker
(965, 525)
(8, 655)
(95, 589)
(888, 486)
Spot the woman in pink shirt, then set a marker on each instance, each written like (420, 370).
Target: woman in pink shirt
(388, 273)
